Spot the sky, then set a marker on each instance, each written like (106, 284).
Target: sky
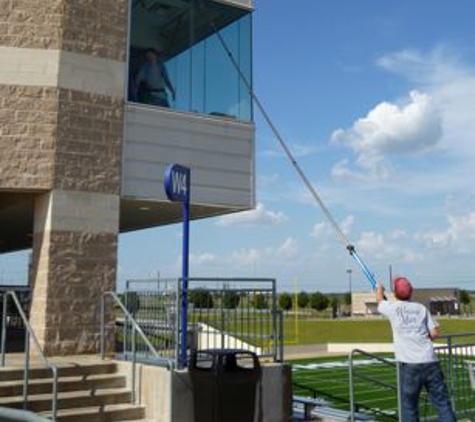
(376, 99)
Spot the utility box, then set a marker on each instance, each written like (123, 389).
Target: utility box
(225, 385)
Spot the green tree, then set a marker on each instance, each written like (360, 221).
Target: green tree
(132, 299)
(319, 301)
(201, 299)
(231, 299)
(259, 301)
(464, 298)
(347, 299)
(285, 302)
(335, 305)
(303, 300)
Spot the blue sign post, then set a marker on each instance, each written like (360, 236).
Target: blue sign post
(177, 188)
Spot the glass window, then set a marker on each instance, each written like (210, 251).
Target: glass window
(176, 59)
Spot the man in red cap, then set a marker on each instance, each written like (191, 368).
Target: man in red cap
(413, 331)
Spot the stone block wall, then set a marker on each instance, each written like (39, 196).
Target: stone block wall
(62, 71)
(31, 23)
(28, 129)
(95, 27)
(89, 148)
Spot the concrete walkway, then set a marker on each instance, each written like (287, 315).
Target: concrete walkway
(307, 351)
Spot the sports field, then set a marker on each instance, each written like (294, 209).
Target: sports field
(322, 331)
(375, 385)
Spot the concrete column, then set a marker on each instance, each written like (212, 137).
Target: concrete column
(74, 262)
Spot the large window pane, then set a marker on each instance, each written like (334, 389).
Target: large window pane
(177, 61)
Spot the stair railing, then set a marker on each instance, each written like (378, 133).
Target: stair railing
(29, 335)
(136, 329)
(16, 415)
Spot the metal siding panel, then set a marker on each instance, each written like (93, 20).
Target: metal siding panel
(220, 154)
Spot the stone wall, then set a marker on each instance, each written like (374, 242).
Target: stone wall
(71, 269)
(28, 117)
(89, 146)
(62, 70)
(31, 23)
(96, 28)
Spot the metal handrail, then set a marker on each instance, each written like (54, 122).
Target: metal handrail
(135, 329)
(8, 414)
(451, 336)
(351, 377)
(29, 334)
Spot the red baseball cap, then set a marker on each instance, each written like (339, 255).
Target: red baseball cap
(402, 288)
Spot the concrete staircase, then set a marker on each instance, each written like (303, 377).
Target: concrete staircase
(92, 391)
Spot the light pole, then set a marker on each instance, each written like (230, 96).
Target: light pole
(349, 271)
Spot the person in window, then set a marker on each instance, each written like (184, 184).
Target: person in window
(413, 332)
(152, 81)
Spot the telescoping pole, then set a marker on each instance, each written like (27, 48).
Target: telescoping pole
(342, 236)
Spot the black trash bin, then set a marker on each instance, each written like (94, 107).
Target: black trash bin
(225, 385)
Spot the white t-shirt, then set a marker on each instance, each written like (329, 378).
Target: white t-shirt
(410, 323)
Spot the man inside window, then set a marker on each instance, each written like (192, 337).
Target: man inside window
(152, 81)
(413, 331)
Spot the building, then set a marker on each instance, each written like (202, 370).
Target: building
(439, 301)
(96, 99)
(364, 303)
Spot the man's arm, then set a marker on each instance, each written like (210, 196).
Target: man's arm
(380, 293)
(432, 326)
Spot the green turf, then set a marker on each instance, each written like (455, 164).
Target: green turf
(319, 331)
(378, 396)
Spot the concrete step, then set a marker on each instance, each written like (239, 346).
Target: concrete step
(44, 386)
(71, 400)
(109, 413)
(64, 370)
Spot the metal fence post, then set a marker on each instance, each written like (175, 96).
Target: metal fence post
(126, 321)
(26, 374)
(451, 373)
(274, 319)
(351, 386)
(134, 367)
(102, 338)
(398, 385)
(4, 326)
(281, 337)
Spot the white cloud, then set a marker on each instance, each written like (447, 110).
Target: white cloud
(202, 258)
(288, 250)
(459, 233)
(323, 229)
(450, 82)
(376, 245)
(245, 257)
(395, 129)
(319, 229)
(257, 217)
(389, 129)
(398, 234)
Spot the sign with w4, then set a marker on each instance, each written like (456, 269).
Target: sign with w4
(177, 183)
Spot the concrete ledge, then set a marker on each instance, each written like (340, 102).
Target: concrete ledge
(160, 392)
(367, 347)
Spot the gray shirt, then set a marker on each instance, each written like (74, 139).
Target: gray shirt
(411, 323)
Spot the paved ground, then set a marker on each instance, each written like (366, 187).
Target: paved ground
(306, 351)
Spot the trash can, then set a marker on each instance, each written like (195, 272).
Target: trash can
(225, 385)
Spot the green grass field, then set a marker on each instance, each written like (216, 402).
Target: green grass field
(318, 331)
(375, 382)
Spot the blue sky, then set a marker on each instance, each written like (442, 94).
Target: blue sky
(377, 101)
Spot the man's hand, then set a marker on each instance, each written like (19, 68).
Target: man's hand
(434, 333)
(380, 293)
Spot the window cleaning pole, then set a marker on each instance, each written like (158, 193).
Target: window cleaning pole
(341, 235)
